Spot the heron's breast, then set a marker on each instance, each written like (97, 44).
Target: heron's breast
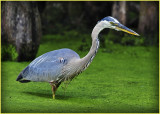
(72, 69)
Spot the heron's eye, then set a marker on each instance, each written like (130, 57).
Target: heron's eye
(111, 23)
(114, 24)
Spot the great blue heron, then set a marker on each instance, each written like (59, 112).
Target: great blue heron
(64, 64)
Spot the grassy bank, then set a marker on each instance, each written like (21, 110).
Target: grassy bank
(120, 79)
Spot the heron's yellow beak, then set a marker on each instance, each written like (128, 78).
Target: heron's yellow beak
(125, 29)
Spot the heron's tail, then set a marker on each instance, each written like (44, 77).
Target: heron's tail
(21, 79)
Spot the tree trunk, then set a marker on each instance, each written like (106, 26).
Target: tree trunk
(21, 27)
(76, 13)
(148, 21)
(119, 11)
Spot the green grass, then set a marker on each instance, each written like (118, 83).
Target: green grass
(120, 79)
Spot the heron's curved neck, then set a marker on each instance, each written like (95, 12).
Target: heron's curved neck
(95, 45)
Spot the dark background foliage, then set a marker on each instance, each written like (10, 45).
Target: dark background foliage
(24, 22)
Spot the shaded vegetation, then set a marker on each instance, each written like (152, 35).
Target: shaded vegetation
(74, 19)
(58, 17)
(120, 79)
(8, 52)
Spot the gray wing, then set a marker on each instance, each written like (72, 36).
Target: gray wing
(48, 66)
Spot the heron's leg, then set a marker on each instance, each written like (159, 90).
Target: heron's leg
(54, 86)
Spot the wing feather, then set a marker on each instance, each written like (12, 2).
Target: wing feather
(48, 67)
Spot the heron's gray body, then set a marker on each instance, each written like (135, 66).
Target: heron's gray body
(49, 66)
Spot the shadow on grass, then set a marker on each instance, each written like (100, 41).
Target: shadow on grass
(48, 95)
(38, 94)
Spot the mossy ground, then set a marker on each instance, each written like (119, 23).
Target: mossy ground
(120, 79)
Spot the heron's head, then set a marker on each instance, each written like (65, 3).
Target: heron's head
(110, 22)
